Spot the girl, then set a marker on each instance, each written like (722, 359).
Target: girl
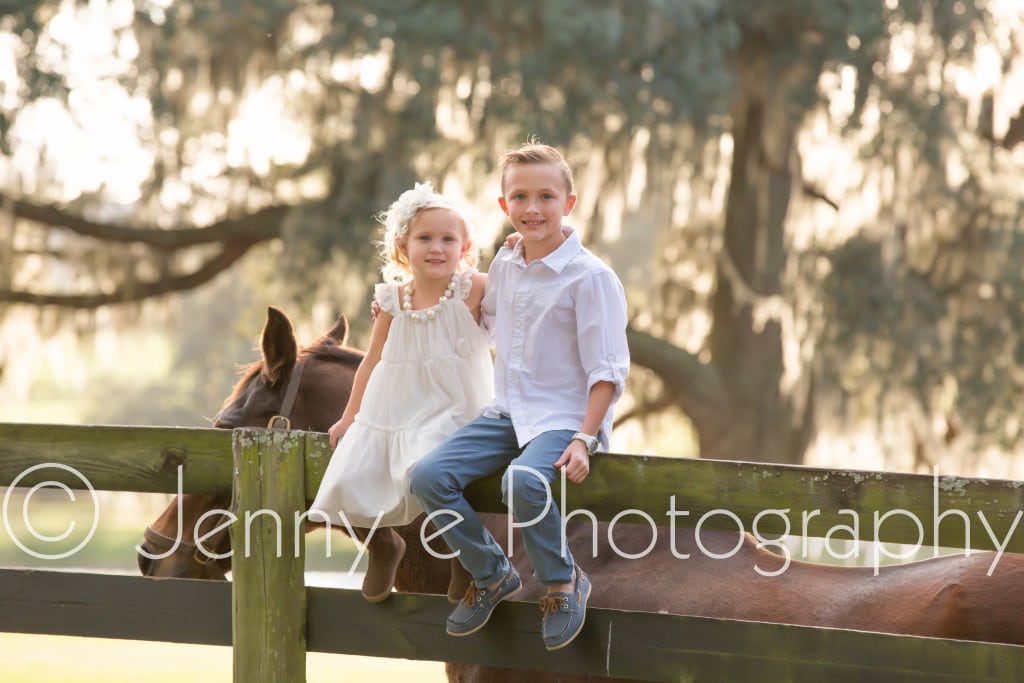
(427, 372)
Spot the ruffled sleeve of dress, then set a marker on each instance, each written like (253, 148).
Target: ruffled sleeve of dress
(386, 294)
(464, 283)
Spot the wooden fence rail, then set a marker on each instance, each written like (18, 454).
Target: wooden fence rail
(267, 605)
(628, 645)
(147, 459)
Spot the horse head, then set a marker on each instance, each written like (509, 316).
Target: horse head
(166, 554)
(323, 371)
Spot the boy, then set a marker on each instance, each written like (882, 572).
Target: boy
(558, 315)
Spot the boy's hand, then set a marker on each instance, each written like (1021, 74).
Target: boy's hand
(575, 460)
(374, 309)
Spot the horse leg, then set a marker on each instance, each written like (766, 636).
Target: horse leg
(459, 582)
(385, 549)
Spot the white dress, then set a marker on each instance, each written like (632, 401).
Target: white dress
(433, 377)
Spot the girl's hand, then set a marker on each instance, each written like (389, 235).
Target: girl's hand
(338, 430)
(512, 240)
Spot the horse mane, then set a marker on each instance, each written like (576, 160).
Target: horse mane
(322, 349)
(325, 349)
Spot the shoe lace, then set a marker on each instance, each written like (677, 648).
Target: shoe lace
(471, 592)
(553, 603)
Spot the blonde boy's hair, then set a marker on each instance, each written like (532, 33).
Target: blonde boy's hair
(533, 152)
(399, 217)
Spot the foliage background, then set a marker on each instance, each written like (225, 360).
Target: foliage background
(815, 207)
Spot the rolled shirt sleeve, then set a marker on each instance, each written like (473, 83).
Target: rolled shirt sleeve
(559, 327)
(601, 331)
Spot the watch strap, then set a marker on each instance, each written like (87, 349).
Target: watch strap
(588, 440)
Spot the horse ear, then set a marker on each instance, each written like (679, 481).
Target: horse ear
(340, 330)
(279, 346)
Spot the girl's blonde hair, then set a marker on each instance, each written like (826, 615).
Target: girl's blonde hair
(396, 221)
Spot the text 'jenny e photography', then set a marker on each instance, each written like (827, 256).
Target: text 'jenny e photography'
(444, 520)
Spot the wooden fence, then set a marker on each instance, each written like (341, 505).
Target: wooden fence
(272, 619)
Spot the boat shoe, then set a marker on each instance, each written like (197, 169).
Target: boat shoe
(564, 613)
(476, 607)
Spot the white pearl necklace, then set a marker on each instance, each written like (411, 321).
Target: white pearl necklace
(429, 313)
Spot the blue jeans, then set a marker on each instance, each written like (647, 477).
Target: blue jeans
(476, 450)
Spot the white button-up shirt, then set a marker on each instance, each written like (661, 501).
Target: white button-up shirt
(559, 327)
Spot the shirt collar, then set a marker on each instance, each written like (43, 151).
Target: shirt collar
(556, 260)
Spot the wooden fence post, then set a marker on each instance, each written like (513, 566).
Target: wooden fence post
(268, 585)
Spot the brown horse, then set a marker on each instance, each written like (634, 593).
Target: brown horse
(947, 597)
(256, 398)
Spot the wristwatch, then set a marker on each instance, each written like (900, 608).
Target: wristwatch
(589, 441)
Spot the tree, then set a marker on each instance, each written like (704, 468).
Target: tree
(687, 123)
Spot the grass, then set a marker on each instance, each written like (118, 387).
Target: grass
(63, 659)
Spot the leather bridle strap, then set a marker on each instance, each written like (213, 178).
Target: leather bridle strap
(289, 399)
(202, 556)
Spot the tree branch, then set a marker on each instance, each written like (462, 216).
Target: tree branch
(1015, 131)
(695, 387)
(236, 235)
(137, 291)
(644, 409)
(260, 226)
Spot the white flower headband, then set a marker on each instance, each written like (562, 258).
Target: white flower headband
(396, 222)
(422, 196)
